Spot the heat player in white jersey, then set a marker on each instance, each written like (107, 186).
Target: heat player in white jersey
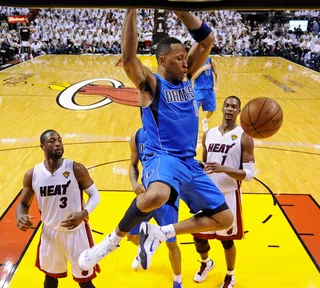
(229, 160)
(58, 185)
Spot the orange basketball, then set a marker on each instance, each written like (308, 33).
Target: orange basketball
(261, 117)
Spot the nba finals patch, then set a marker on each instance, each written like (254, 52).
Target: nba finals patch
(66, 174)
(234, 137)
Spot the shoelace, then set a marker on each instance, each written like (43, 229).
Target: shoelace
(101, 250)
(202, 268)
(227, 281)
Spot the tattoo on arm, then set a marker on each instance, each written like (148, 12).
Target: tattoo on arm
(134, 173)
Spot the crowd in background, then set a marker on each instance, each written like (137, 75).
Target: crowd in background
(78, 31)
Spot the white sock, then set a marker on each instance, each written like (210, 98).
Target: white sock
(230, 272)
(114, 238)
(177, 278)
(206, 260)
(168, 231)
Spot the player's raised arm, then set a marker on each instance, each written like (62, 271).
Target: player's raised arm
(140, 75)
(204, 37)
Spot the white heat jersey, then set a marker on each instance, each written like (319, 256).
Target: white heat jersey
(58, 194)
(226, 150)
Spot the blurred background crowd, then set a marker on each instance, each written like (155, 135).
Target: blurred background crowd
(27, 33)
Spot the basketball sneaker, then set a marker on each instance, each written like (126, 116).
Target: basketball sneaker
(205, 125)
(229, 281)
(136, 264)
(90, 257)
(202, 273)
(177, 284)
(151, 237)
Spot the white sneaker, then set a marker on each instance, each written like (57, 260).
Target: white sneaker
(90, 257)
(136, 264)
(229, 281)
(150, 239)
(205, 125)
(202, 273)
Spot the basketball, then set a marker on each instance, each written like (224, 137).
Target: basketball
(261, 117)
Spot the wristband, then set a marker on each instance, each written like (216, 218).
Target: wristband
(200, 33)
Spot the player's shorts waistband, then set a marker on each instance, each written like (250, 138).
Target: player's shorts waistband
(149, 152)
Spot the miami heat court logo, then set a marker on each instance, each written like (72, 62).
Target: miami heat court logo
(112, 91)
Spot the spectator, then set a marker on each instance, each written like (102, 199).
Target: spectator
(25, 39)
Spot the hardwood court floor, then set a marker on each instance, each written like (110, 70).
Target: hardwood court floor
(281, 248)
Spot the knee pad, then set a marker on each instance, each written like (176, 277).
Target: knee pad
(132, 217)
(227, 244)
(202, 245)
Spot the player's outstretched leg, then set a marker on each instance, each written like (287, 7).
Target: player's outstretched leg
(90, 257)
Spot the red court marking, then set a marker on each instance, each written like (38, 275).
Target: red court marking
(304, 216)
(123, 95)
(14, 241)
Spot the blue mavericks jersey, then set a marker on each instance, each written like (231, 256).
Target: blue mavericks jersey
(141, 139)
(205, 79)
(171, 120)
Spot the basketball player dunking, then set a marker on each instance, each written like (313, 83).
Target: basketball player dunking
(165, 215)
(229, 158)
(170, 118)
(57, 184)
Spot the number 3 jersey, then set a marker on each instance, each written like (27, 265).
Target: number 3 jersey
(226, 150)
(58, 194)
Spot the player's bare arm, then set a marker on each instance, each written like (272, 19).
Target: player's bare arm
(133, 170)
(215, 75)
(140, 75)
(247, 171)
(86, 183)
(200, 51)
(22, 216)
(202, 69)
(204, 148)
(82, 175)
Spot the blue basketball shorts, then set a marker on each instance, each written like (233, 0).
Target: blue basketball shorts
(206, 98)
(187, 178)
